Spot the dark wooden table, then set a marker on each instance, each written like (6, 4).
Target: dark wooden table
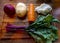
(20, 37)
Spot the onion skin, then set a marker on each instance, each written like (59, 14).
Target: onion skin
(9, 10)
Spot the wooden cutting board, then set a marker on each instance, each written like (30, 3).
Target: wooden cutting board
(4, 19)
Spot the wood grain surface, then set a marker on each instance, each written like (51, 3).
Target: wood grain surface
(21, 37)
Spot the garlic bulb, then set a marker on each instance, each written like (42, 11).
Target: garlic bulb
(21, 9)
(43, 8)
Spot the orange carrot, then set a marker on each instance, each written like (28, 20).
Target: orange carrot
(31, 13)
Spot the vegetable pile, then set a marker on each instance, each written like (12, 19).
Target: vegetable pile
(42, 29)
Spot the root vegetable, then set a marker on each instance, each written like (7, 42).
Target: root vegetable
(21, 9)
(31, 13)
(9, 10)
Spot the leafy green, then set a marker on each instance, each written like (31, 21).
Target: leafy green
(42, 29)
(55, 20)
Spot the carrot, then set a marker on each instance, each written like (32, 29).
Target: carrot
(31, 13)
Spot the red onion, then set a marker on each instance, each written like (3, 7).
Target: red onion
(9, 10)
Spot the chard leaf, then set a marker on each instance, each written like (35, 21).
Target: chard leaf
(36, 38)
(55, 20)
(48, 18)
(42, 30)
(53, 28)
(49, 41)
